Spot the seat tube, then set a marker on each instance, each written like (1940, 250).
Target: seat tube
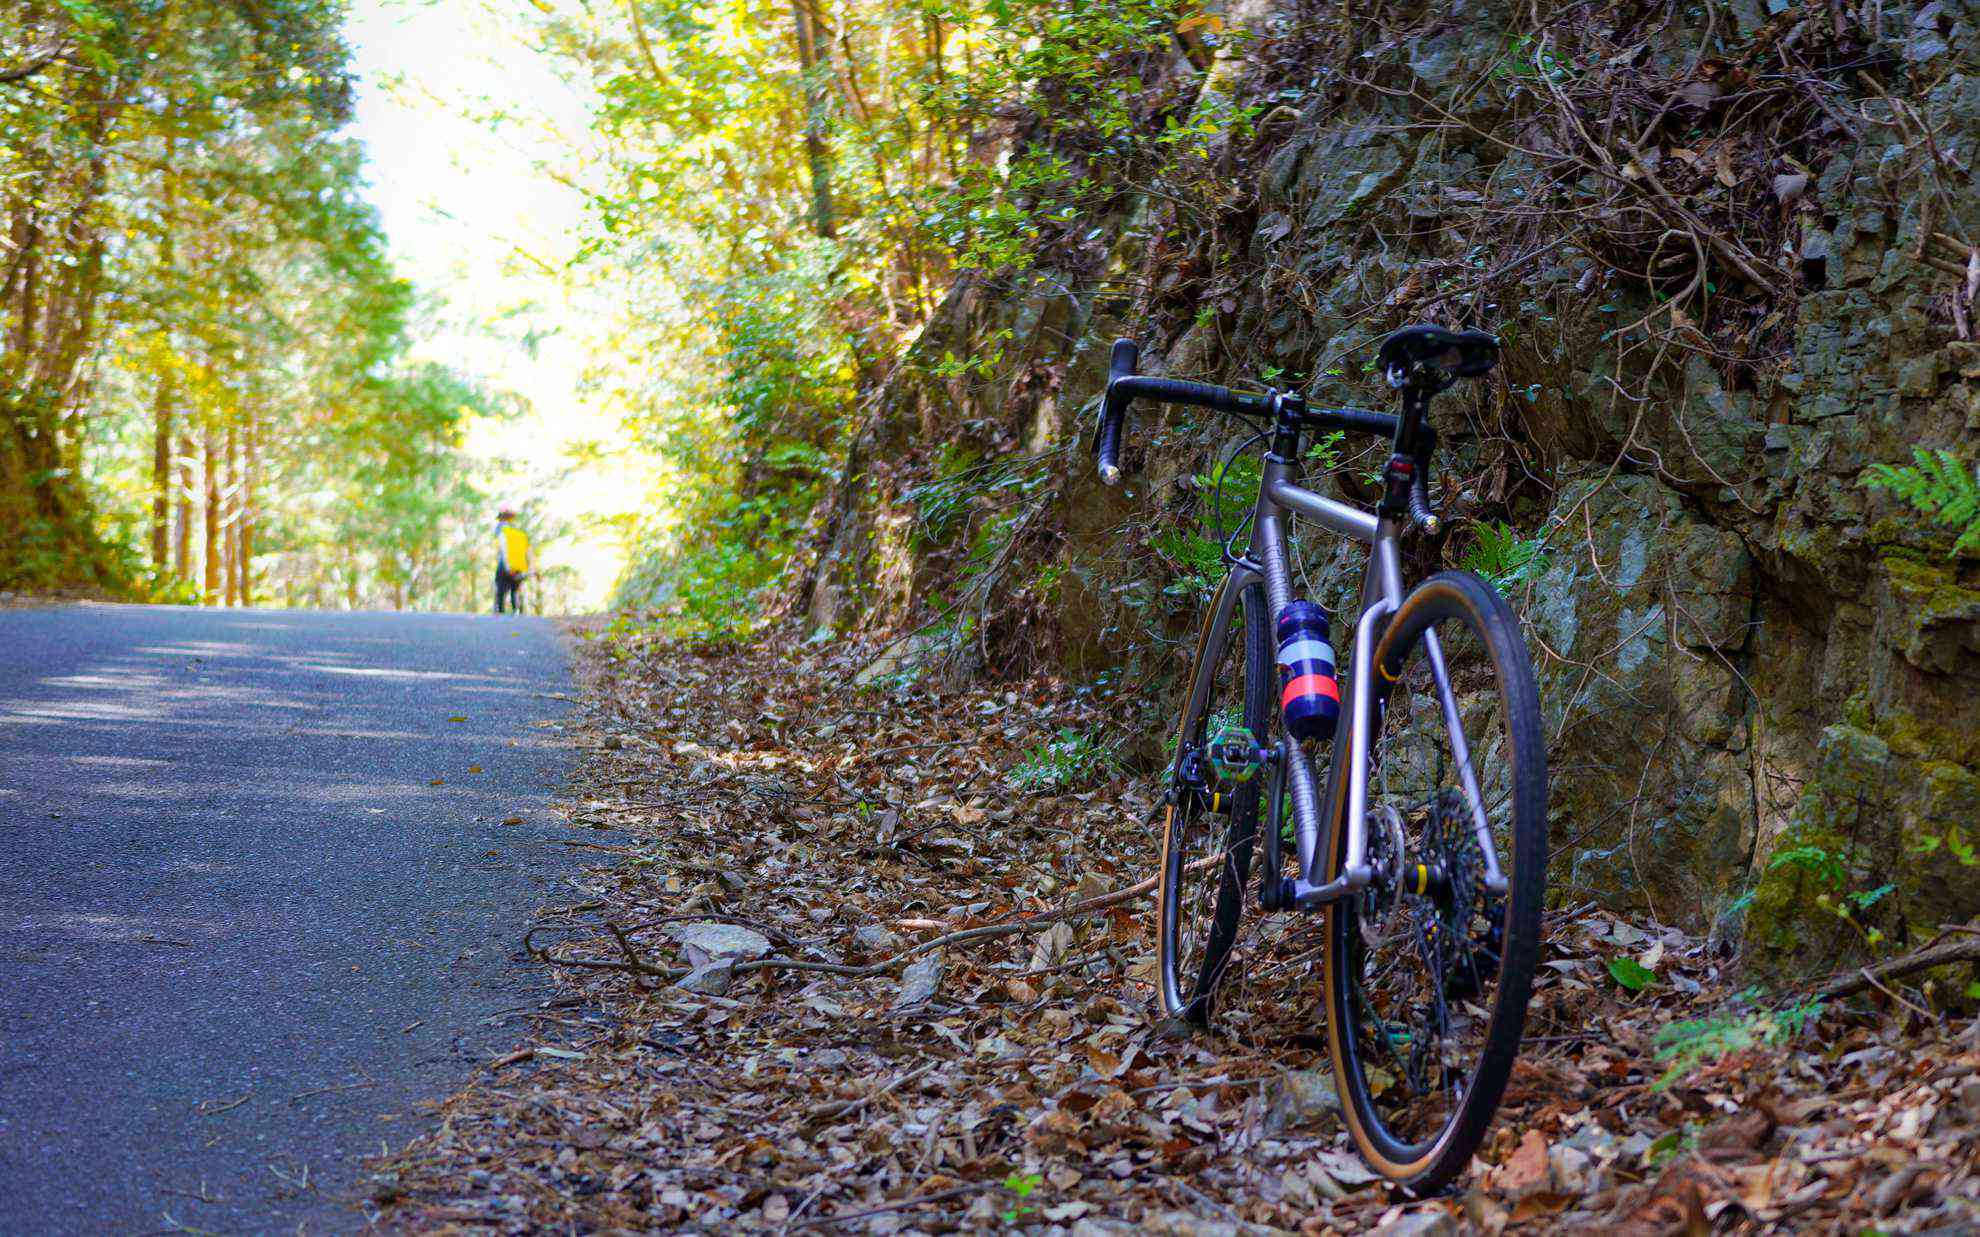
(1270, 545)
(1381, 594)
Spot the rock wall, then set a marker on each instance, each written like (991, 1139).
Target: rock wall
(1707, 239)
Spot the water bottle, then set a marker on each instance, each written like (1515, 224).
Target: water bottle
(1308, 691)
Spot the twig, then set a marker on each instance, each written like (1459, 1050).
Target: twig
(635, 965)
(917, 747)
(903, 1205)
(349, 1086)
(984, 933)
(217, 1108)
(839, 1108)
(1887, 991)
(1962, 949)
(201, 1197)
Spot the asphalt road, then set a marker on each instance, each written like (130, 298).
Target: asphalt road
(242, 932)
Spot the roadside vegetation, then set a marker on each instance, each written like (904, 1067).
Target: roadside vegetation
(871, 740)
(205, 389)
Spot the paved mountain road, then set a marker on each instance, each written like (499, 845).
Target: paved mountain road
(242, 933)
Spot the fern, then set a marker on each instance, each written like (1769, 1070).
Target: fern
(1941, 485)
(1507, 560)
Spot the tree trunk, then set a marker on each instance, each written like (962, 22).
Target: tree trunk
(211, 563)
(161, 476)
(816, 154)
(161, 439)
(248, 477)
(182, 532)
(232, 526)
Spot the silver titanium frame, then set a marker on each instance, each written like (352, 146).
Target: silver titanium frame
(1381, 595)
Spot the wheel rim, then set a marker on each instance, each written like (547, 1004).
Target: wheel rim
(1420, 963)
(1206, 855)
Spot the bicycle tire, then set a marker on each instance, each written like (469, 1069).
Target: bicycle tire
(1425, 1164)
(1188, 986)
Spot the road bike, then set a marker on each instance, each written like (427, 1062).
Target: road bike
(1425, 846)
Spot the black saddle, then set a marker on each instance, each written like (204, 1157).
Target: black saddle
(1438, 355)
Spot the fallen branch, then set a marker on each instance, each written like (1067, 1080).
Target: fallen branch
(832, 1110)
(964, 936)
(1960, 949)
(903, 1205)
(635, 965)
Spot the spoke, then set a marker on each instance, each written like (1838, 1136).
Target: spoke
(1423, 995)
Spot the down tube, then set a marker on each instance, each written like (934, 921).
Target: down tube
(1347, 777)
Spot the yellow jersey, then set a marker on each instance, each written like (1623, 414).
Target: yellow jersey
(514, 549)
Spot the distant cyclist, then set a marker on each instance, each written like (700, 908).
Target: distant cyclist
(511, 561)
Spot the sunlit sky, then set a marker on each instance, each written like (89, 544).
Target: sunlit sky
(474, 223)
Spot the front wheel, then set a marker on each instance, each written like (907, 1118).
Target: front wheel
(1429, 968)
(1212, 822)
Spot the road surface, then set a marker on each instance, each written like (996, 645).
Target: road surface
(257, 899)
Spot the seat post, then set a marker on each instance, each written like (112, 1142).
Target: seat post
(1406, 454)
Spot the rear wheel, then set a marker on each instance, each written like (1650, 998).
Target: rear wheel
(1429, 968)
(1212, 822)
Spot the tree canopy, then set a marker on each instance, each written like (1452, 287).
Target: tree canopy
(204, 386)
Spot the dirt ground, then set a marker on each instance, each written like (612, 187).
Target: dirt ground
(835, 969)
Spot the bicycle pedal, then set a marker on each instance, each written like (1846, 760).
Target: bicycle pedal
(1234, 755)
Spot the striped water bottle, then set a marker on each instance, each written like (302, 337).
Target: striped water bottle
(1308, 692)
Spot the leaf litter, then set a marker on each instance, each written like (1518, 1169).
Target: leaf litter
(834, 971)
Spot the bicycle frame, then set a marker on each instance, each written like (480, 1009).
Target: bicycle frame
(1346, 797)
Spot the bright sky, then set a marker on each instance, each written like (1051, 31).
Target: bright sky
(474, 223)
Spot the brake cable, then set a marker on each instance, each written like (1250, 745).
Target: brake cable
(1217, 493)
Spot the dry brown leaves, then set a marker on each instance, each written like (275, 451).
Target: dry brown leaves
(756, 1044)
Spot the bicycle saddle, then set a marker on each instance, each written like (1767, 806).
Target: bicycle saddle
(1456, 354)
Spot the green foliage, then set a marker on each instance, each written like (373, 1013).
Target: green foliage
(1064, 763)
(963, 489)
(202, 237)
(1685, 1046)
(1196, 562)
(982, 364)
(1227, 493)
(1323, 454)
(1824, 865)
(1831, 878)
(1533, 60)
(1940, 485)
(1631, 974)
(1953, 842)
(1074, 72)
(1505, 559)
(1045, 584)
(1022, 1185)
(712, 587)
(943, 504)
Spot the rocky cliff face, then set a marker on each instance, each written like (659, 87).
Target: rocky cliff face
(1727, 250)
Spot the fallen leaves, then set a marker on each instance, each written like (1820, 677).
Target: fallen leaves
(838, 973)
